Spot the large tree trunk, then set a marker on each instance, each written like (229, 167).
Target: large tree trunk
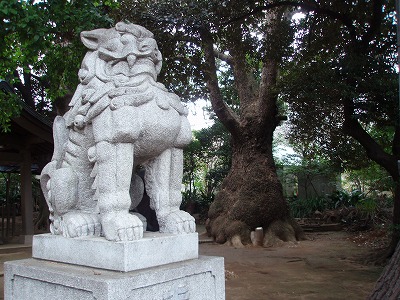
(251, 196)
(396, 217)
(387, 286)
(395, 238)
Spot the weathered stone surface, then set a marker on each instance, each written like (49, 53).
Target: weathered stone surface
(153, 250)
(34, 279)
(120, 117)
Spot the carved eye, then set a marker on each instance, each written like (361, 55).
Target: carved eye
(127, 38)
(113, 45)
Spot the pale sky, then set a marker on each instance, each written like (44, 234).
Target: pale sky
(198, 118)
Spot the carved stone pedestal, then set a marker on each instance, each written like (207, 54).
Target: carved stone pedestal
(50, 277)
(154, 249)
(35, 279)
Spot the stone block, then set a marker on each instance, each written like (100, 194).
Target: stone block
(153, 249)
(195, 279)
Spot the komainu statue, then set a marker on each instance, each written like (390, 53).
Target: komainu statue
(120, 117)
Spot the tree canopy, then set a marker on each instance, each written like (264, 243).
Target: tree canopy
(41, 49)
(342, 81)
(343, 72)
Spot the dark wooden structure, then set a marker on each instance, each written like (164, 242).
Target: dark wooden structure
(26, 149)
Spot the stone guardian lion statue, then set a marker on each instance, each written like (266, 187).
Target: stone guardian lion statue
(119, 117)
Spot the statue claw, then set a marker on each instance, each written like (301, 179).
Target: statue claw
(77, 224)
(177, 222)
(122, 227)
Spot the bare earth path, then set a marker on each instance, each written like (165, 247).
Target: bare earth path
(324, 267)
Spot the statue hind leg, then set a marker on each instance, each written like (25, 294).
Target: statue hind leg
(163, 180)
(66, 184)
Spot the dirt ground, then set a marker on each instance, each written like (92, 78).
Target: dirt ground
(326, 266)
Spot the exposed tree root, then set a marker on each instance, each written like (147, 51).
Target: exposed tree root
(238, 234)
(282, 231)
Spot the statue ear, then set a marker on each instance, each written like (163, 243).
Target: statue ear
(91, 38)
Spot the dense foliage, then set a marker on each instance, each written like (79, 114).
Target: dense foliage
(41, 49)
(207, 161)
(343, 68)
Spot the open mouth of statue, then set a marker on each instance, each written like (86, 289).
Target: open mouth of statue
(131, 66)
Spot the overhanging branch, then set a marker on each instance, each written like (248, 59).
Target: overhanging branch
(373, 150)
(223, 112)
(222, 56)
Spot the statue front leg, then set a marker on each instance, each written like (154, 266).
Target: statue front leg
(114, 170)
(163, 179)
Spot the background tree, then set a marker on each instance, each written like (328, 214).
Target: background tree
(216, 145)
(363, 87)
(41, 49)
(342, 83)
(193, 165)
(197, 37)
(207, 161)
(369, 180)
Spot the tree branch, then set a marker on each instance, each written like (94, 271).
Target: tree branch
(267, 96)
(373, 150)
(245, 82)
(224, 57)
(24, 89)
(45, 83)
(223, 112)
(308, 6)
(375, 22)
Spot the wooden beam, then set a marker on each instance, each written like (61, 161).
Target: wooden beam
(26, 193)
(10, 158)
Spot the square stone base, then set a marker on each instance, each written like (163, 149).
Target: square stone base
(152, 250)
(195, 279)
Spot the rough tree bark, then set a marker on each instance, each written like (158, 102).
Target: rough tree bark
(251, 195)
(387, 286)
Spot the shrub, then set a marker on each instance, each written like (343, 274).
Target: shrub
(304, 208)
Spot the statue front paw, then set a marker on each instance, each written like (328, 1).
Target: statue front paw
(121, 227)
(177, 222)
(77, 224)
